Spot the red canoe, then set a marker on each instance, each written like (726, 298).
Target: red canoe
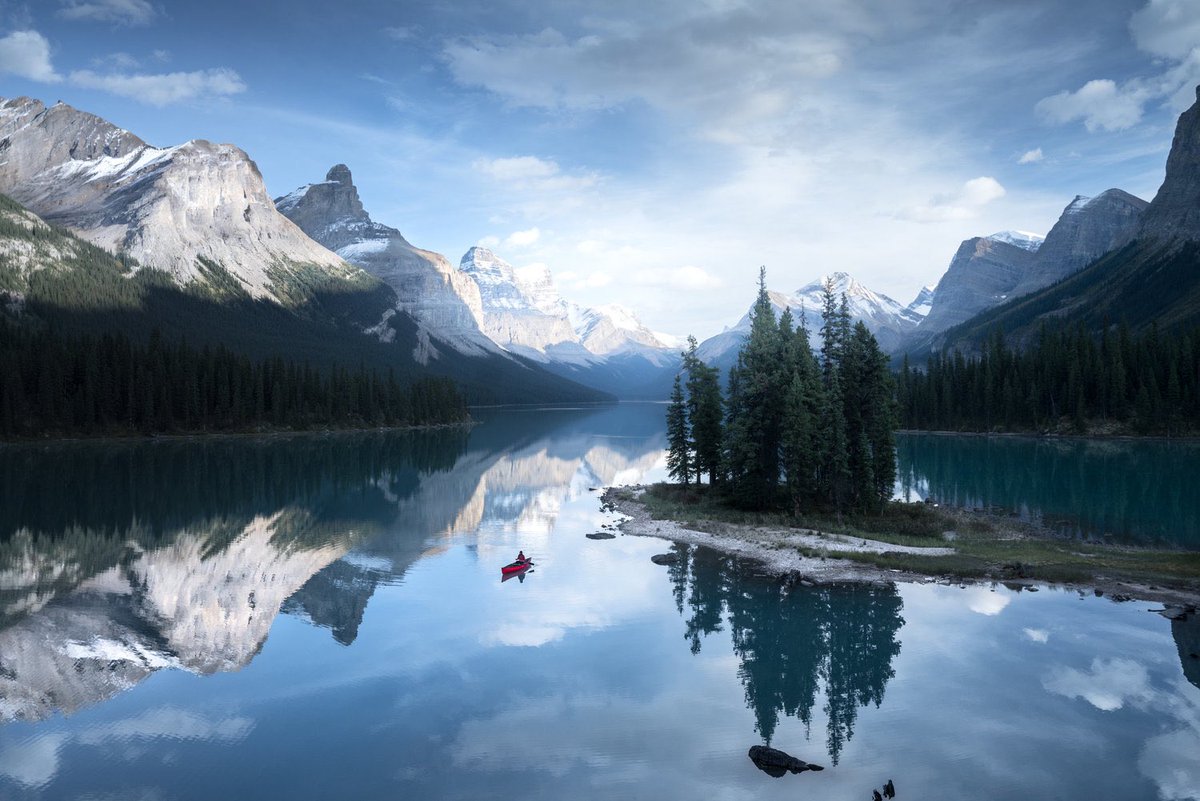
(516, 567)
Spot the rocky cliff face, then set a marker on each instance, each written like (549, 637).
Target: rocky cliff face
(983, 273)
(522, 312)
(1087, 229)
(192, 210)
(445, 304)
(1174, 214)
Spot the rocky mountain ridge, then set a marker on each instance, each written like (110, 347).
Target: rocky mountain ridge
(445, 305)
(194, 211)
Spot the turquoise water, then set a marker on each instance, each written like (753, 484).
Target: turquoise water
(1127, 491)
(323, 617)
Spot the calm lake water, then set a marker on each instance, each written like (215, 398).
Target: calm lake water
(323, 618)
(1127, 491)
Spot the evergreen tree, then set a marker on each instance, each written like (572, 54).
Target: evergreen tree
(679, 462)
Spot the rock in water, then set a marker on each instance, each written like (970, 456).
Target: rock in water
(775, 763)
(601, 535)
(665, 558)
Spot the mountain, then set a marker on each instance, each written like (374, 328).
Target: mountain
(445, 305)
(605, 347)
(922, 303)
(521, 310)
(982, 274)
(888, 320)
(185, 241)
(1087, 229)
(198, 211)
(1152, 279)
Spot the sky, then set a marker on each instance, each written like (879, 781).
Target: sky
(652, 154)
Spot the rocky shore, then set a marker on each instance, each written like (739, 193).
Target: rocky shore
(810, 556)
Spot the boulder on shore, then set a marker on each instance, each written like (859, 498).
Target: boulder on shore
(775, 763)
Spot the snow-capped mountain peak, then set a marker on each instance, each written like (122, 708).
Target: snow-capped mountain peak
(923, 302)
(1022, 239)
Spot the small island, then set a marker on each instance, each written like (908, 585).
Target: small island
(800, 464)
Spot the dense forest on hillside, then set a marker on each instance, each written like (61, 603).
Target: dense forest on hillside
(56, 385)
(1067, 380)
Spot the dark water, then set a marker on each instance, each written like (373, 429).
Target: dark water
(317, 618)
(1129, 491)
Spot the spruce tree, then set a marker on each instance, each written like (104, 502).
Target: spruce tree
(679, 463)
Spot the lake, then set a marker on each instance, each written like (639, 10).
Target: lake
(1124, 491)
(319, 617)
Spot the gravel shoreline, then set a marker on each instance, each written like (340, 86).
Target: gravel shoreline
(776, 551)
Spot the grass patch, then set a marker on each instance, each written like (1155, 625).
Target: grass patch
(985, 546)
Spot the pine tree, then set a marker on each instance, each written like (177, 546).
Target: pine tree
(679, 463)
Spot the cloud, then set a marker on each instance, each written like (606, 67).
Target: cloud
(531, 172)
(523, 239)
(119, 61)
(33, 762)
(166, 88)
(1100, 104)
(118, 12)
(1109, 685)
(688, 277)
(1031, 156)
(1167, 28)
(1037, 635)
(26, 54)
(961, 205)
(398, 32)
(983, 601)
(488, 241)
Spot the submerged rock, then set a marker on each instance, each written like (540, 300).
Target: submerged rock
(665, 558)
(775, 763)
(601, 535)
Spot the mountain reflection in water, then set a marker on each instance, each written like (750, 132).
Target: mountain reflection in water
(793, 642)
(118, 559)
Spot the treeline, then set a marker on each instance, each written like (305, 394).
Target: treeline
(1068, 379)
(55, 385)
(794, 429)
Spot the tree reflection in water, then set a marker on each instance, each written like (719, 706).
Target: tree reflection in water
(793, 643)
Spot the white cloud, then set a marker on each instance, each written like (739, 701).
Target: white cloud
(1167, 28)
(488, 241)
(166, 88)
(1031, 156)
(1100, 104)
(33, 762)
(961, 205)
(26, 54)
(119, 61)
(1037, 635)
(688, 278)
(172, 722)
(118, 12)
(523, 239)
(984, 601)
(531, 172)
(1109, 685)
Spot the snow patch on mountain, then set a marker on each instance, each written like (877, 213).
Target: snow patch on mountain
(524, 312)
(888, 320)
(445, 304)
(166, 208)
(1022, 239)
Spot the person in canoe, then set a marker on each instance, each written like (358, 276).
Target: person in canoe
(521, 556)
